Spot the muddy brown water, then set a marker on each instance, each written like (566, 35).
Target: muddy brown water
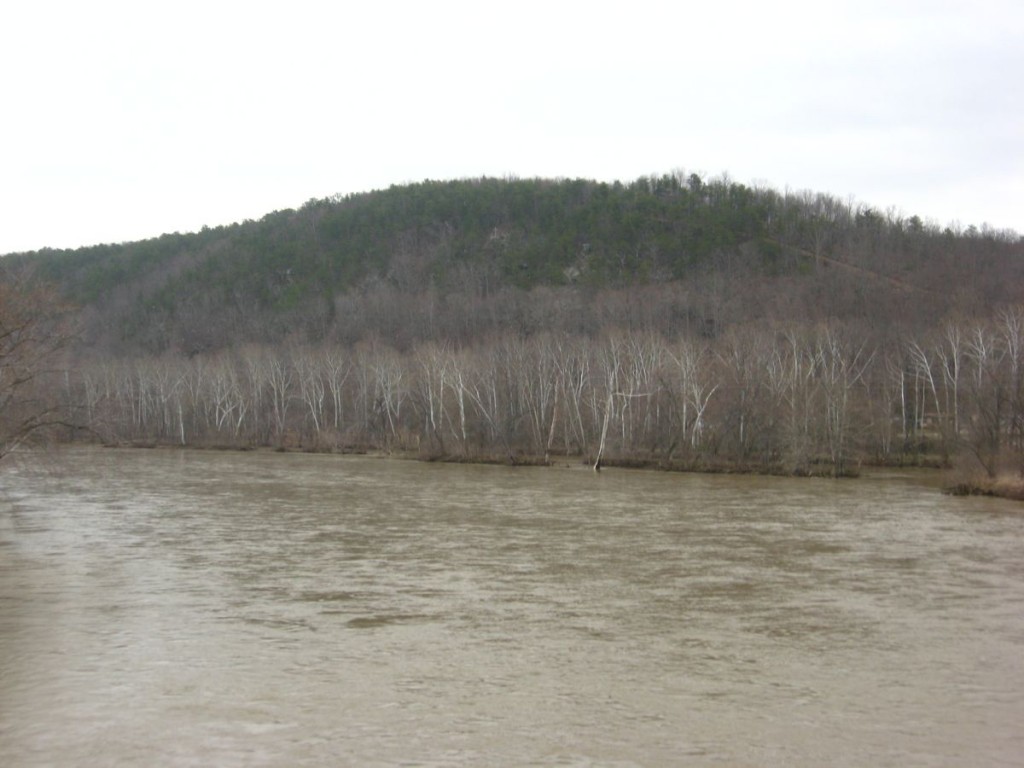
(247, 609)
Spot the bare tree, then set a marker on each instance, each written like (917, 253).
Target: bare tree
(1011, 325)
(984, 356)
(696, 386)
(433, 370)
(337, 367)
(744, 357)
(791, 379)
(610, 361)
(538, 384)
(312, 388)
(640, 386)
(457, 382)
(254, 385)
(951, 353)
(841, 366)
(387, 377)
(923, 365)
(484, 388)
(574, 373)
(227, 406)
(281, 377)
(33, 333)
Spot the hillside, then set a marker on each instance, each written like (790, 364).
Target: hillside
(671, 322)
(457, 260)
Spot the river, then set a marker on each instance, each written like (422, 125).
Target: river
(167, 608)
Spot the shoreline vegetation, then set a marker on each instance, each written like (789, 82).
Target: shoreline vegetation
(675, 322)
(958, 483)
(819, 469)
(1003, 486)
(791, 399)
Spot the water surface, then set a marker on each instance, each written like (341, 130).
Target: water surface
(201, 608)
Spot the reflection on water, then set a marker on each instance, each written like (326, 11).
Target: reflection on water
(265, 609)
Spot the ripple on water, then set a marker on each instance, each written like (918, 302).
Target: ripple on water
(248, 609)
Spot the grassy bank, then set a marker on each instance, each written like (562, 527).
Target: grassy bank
(1004, 486)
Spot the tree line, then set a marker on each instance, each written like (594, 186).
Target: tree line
(672, 321)
(812, 398)
(475, 251)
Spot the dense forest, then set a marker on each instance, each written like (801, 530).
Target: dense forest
(673, 321)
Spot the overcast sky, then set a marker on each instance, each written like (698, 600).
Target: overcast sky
(125, 120)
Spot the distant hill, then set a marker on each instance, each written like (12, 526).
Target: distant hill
(458, 259)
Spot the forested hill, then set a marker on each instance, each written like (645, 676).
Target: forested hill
(461, 259)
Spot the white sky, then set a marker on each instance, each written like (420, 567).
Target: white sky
(125, 120)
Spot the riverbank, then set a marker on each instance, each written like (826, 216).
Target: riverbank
(700, 465)
(1003, 486)
(814, 468)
